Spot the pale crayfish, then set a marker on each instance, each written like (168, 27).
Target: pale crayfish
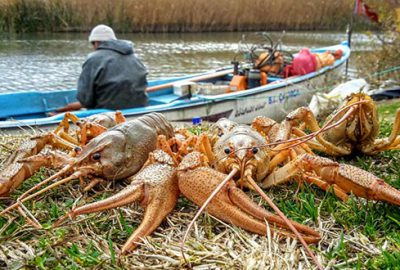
(245, 149)
(359, 131)
(115, 154)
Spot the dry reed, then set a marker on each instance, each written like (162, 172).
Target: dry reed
(172, 16)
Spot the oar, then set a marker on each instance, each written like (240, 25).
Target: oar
(192, 79)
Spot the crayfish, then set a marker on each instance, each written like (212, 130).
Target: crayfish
(359, 130)
(115, 154)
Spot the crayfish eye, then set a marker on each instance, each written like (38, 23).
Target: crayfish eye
(227, 151)
(77, 149)
(96, 156)
(80, 123)
(254, 150)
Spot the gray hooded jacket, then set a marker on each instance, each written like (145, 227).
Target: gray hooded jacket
(113, 78)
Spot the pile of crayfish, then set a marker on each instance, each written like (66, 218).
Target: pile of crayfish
(212, 169)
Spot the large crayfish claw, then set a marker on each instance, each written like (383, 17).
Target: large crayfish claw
(155, 187)
(343, 178)
(197, 182)
(366, 185)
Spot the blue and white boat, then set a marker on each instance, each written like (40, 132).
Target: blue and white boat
(274, 99)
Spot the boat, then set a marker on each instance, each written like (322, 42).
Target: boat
(387, 93)
(20, 110)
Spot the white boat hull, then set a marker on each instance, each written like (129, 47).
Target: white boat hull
(275, 104)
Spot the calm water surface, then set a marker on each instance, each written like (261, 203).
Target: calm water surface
(53, 61)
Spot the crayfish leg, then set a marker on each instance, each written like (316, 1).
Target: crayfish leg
(93, 183)
(390, 143)
(339, 192)
(304, 114)
(119, 117)
(64, 124)
(22, 168)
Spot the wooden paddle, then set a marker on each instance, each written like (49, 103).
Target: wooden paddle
(193, 79)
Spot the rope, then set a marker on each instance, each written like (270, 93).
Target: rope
(389, 70)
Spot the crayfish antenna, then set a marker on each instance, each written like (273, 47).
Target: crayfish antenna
(286, 220)
(23, 198)
(29, 217)
(54, 176)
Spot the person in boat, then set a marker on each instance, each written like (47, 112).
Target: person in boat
(112, 76)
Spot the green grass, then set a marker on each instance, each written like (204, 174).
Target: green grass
(387, 110)
(357, 234)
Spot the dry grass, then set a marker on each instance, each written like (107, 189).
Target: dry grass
(173, 16)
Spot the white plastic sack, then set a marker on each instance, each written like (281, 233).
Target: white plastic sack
(321, 103)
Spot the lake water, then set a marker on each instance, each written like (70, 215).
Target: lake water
(53, 61)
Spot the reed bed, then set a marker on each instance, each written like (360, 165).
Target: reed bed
(173, 15)
(355, 235)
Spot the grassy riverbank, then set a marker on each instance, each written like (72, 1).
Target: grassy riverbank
(355, 235)
(173, 16)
